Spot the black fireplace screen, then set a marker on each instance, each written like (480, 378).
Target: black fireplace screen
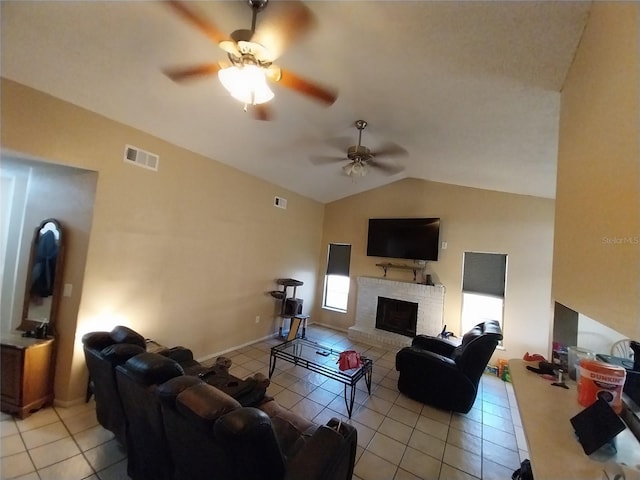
(397, 316)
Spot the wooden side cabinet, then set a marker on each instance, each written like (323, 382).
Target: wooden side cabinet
(27, 374)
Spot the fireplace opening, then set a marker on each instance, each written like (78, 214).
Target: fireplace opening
(397, 316)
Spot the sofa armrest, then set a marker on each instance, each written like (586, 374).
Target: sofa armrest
(255, 396)
(181, 355)
(434, 344)
(417, 358)
(327, 455)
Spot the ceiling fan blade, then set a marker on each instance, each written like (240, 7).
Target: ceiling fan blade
(323, 160)
(187, 73)
(261, 112)
(205, 26)
(299, 84)
(281, 24)
(389, 149)
(341, 143)
(386, 169)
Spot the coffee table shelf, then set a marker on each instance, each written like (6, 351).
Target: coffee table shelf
(320, 359)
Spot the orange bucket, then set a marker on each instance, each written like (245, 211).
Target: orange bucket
(601, 380)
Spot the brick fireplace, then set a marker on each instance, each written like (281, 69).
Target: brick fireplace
(430, 312)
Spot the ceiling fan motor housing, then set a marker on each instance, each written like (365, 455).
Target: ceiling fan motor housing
(358, 153)
(257, 4)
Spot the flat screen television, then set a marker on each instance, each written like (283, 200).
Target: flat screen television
(409, 238)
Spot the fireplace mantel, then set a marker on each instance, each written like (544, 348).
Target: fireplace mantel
(430, 300)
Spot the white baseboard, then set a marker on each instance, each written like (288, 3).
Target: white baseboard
(267, 337)
(332, 327)
(222, 352)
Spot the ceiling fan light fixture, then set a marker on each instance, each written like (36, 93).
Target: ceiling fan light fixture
(356, 169)
(246, 83)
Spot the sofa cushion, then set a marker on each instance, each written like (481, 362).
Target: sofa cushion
(119, 353)
(169, 390)
(291, 429)
(182, 355)
(97, 340)
(122, 334)
(203, 404)
(152, 369)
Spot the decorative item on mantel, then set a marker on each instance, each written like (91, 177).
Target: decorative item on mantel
(402, 266)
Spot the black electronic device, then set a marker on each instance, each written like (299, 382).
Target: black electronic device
(408, 238)
(596, 425)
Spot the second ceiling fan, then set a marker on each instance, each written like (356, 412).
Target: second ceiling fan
(362, 158)
(251, 54)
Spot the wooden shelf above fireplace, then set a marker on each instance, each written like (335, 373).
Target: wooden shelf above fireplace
(399, 266)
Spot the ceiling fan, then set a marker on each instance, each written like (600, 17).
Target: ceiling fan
(362, 158)
(251, 53)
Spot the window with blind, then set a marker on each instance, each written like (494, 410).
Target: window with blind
(483, 287)
(336, 280)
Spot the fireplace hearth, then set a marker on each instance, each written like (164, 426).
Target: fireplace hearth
(397, 316)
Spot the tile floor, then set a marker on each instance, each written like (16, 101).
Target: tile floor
(398, 438)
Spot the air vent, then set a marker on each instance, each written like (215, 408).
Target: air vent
(141, 158)
(280, 202)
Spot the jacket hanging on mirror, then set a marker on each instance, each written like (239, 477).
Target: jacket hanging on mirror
(44, 266)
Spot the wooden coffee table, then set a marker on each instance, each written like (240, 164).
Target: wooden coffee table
(322, 360)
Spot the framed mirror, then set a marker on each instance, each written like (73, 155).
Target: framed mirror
(44, 280)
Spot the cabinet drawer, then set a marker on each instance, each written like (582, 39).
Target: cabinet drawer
(12, 373)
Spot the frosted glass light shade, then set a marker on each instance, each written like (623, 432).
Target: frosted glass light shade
(247, 84)
(355, 170)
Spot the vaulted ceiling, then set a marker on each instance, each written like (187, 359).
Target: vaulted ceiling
(470, 89)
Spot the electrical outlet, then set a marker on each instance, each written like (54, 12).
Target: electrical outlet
(444, 245)
(257, 318)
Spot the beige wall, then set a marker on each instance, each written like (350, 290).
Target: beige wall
(471, 220)
(185, 255)
(596, 264)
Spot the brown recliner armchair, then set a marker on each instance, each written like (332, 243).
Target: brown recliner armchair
(437, 372)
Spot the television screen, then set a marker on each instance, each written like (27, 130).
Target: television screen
(409, 238)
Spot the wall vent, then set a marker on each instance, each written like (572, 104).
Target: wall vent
(280, 202)
(141, 158)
